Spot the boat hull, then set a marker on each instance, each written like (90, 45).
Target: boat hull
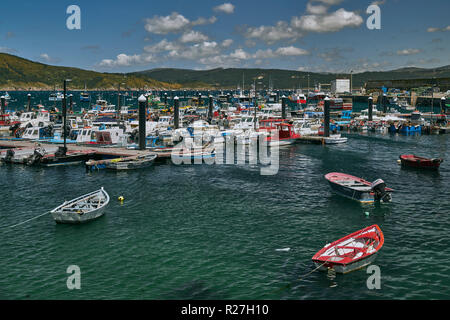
(346, 268)
(412, 161)
(82, 209)
(76, 218)
(360, 196)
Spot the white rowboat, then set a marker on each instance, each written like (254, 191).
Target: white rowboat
(82, 209)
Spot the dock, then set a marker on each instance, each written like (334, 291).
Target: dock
(99, 150)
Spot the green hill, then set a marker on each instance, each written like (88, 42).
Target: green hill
(18, 74)
(21, 74)
(231, 78)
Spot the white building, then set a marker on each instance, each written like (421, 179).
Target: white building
(340, 85)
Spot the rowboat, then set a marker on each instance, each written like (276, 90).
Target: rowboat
(82, 209)
(352, 252)
(359, 189)
(128, 163)
(138, 162)
(413, 161)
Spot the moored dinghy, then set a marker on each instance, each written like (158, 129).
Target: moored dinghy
(359, 189)
(82, 209)
(352, 252)
(413, 161)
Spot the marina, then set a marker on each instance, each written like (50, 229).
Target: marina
(304, 162)
(245, 156)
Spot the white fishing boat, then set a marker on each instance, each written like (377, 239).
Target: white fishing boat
(58, 96)
(335, 139)
(82, 209)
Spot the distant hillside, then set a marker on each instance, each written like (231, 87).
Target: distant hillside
(21, 74)
(18, 73)
(231, 78)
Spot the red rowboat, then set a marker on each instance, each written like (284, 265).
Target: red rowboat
(352, 252)
(410, 160)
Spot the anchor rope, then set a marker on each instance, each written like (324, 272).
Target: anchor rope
(18, 224)
(299, 279)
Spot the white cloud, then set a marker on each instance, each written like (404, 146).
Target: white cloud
(327, 23)
(46, 58)
(123, 60)
(408, 52)
(196, 51)
(291, 51)
(174, 23)
(431, 29)
(226, 8)
(202, 21)
(227, 42)
(240, 54)
(193, 36)
(163, 45)
(163, 25)
(319, 9)
(271, 34)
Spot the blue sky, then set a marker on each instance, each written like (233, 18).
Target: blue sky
(310, 35)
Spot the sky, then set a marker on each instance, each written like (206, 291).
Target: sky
(304, 35)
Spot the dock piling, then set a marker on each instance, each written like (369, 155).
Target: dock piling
(283, 107)
(210, 111)
(370, 117)
(176, 112)
(2, 104)
(326, 117)
(142, 122)
(29, 102)
(443, 105)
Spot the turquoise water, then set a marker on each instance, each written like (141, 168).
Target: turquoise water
(212, 232)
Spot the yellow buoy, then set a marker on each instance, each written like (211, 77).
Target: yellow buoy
(121, 199)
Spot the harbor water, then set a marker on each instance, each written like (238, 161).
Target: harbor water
(215, 231)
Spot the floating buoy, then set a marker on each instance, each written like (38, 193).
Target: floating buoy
(367, 213)
(121, 198)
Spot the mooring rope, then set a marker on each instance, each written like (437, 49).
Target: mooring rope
(18, 224)
(299, 279)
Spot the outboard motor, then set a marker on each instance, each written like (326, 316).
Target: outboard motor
(9, 155)
(36, 157)
(61, 152)
(379, 188)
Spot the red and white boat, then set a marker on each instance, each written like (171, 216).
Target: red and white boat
(286, 135)
(352, 252)
(413, 161)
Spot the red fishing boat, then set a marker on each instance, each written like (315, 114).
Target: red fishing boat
(286, 135)
(352, 252)
(413, 161)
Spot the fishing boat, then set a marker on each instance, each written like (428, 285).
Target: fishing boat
(413, 161)
(71, 157)
(128, 163)
(82, 209)
(359, 189)
(286, 135)
(58, 96)
(352, 252)
(335, 139)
